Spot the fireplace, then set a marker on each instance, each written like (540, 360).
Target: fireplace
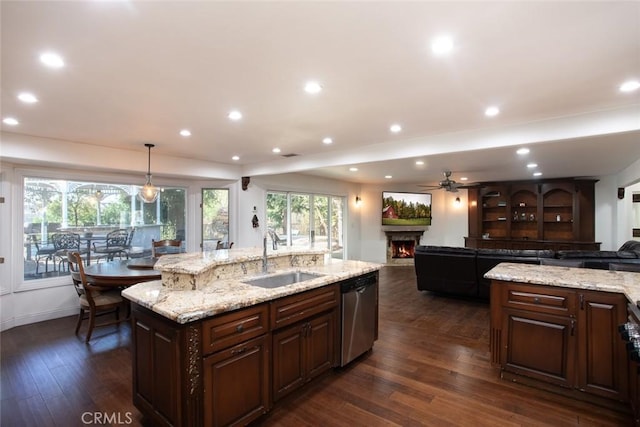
(401, 245)
(402, 248)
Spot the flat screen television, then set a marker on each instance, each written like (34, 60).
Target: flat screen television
(406, 209)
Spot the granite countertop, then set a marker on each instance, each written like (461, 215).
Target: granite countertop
(184, 306)
(198, 262)
(624, 282)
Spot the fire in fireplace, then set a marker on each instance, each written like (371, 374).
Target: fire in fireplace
(402, 248)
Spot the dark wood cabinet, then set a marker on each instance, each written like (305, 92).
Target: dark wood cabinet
(236, 383)
(166, 369)
(236, 377)
(603, 363)
(229, 368)
(561, 336)
(301, 352)
(305, 341)
(541, 346)
(554, 214)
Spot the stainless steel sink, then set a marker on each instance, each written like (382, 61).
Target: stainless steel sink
(282, 279)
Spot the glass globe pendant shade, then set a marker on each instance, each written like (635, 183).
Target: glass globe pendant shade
(149, 192)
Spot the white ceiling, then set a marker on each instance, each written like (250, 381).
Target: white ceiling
(140, 72)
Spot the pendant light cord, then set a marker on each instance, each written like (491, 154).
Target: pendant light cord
(149, 146)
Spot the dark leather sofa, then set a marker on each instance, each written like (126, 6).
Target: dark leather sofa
(460, 271)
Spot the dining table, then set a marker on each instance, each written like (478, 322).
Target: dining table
(122, 273)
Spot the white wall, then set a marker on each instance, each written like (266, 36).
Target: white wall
(614, 217)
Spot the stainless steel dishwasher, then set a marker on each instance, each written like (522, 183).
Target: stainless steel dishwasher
(359, 300)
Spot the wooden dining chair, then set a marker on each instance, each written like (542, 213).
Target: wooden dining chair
(165, 247)
(94, 301)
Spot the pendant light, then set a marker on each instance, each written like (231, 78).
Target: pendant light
(148, 193)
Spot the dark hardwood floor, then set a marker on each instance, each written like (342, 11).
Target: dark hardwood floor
(430, 366)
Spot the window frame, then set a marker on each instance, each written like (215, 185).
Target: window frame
(20, 173)
(312, 196)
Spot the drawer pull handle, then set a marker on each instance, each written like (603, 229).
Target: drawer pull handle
(239, 350)
(536, 300)
(573, 326)
(240, 328)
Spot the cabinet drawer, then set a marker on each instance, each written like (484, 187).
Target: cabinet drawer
(288, 310)
(539, 298)
(233, 328)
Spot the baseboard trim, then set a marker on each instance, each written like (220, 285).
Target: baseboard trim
(37, 317)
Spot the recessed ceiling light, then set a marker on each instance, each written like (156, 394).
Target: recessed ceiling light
(185, 132)
(492, 111)
(419, 162)
(395, 128)
(353, 169)
(523, 151)
(234, 115)
(388, 176)
(327, 140)
(312, 87)
(441, 45)
(464, 178)
(27, 97)
(51, 59)
(276, 150)
(537, 174)
(235, 158)
(11, 121)
(532, 165)
(629, 86)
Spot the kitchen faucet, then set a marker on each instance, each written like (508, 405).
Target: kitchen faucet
(265, 265)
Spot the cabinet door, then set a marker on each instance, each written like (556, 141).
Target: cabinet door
(540, 346)
(288, 359)
(602, 355)
(156, 366)
(236, 383)
(320, 345)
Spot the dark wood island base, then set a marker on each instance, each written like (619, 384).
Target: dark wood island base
(564, 337)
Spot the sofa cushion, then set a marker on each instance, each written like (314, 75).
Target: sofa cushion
(578, 263)
(446, 250)
(630, 245)
(626, 266)
(516, 253)
(596, 254)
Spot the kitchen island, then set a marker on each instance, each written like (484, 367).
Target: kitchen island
(209, 348)
(558, 326)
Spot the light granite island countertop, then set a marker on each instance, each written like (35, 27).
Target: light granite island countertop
(624, 282)
(198, 285)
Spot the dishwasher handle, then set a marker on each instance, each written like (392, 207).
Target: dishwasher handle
(358, 283)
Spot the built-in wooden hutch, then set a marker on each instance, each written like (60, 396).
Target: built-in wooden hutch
(556, 214)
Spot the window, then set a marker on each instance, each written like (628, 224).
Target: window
(215, 217)
(315, 220)
(91, 210)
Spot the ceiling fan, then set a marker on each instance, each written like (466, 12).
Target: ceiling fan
(446, 184)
